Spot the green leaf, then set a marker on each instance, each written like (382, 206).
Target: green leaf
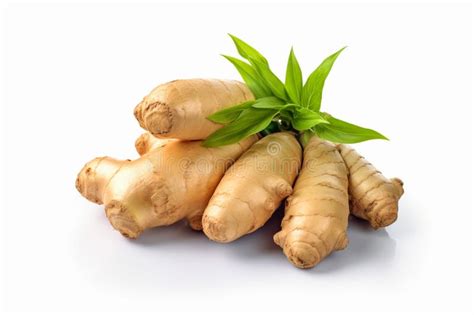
(270, 102)
(313, 88)
(304, 119)
(250, 77)
(247, 51)
(260, 64)
(269, 78)
(228, 115)
(250, 121)
(294, 79)
(340, 131)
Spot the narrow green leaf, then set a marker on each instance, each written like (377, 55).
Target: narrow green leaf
(247, 51)
(250, 121)
(340, 131)
(313, 88)
(250, 77)
(294, 79)
(228, 115)
(270, 102)
(269, 78)
(304, 119)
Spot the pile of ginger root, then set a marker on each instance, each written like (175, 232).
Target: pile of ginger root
(233, 190)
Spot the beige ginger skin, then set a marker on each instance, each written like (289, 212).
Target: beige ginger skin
(373, 197)
(253, 188)
(170, 182)
(316, 214)
(178, 109)
(146, 142)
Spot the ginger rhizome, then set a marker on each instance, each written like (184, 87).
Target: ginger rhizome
(201, 160)
(253, 188)
(373, 197)
(178, 109)
(172, 181)
(316, 214)
(146, 142)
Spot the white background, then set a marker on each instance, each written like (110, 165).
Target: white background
(72, 76)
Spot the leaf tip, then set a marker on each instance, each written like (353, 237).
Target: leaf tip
(208, 144)
(234, 38)
(379, 136)
(341, 50)
(211, 118)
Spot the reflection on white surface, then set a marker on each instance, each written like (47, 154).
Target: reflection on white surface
(366, 246)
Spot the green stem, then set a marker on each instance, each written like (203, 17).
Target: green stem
(305, 136)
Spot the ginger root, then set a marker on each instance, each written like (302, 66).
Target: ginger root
(316, 214)
(172, 181)
(253, 188)
(372, 196)
(178, 109)
(146, 142)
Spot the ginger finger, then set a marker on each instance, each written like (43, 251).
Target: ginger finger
(372, 196)
(179, 109)
(163, 186)
(147, 142)
(316, 214)
(253, 188)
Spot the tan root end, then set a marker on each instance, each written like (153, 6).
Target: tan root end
(279, 239)
(219, 230)
(122, 220)
(146, 143)
(137, 112)
(155, 117)
(398, 184)
(142, 144)
(302, 255)
(283, 189)
(195, 222)
(304, 249)
(94, 176)
(384, 214)
(342, 241)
